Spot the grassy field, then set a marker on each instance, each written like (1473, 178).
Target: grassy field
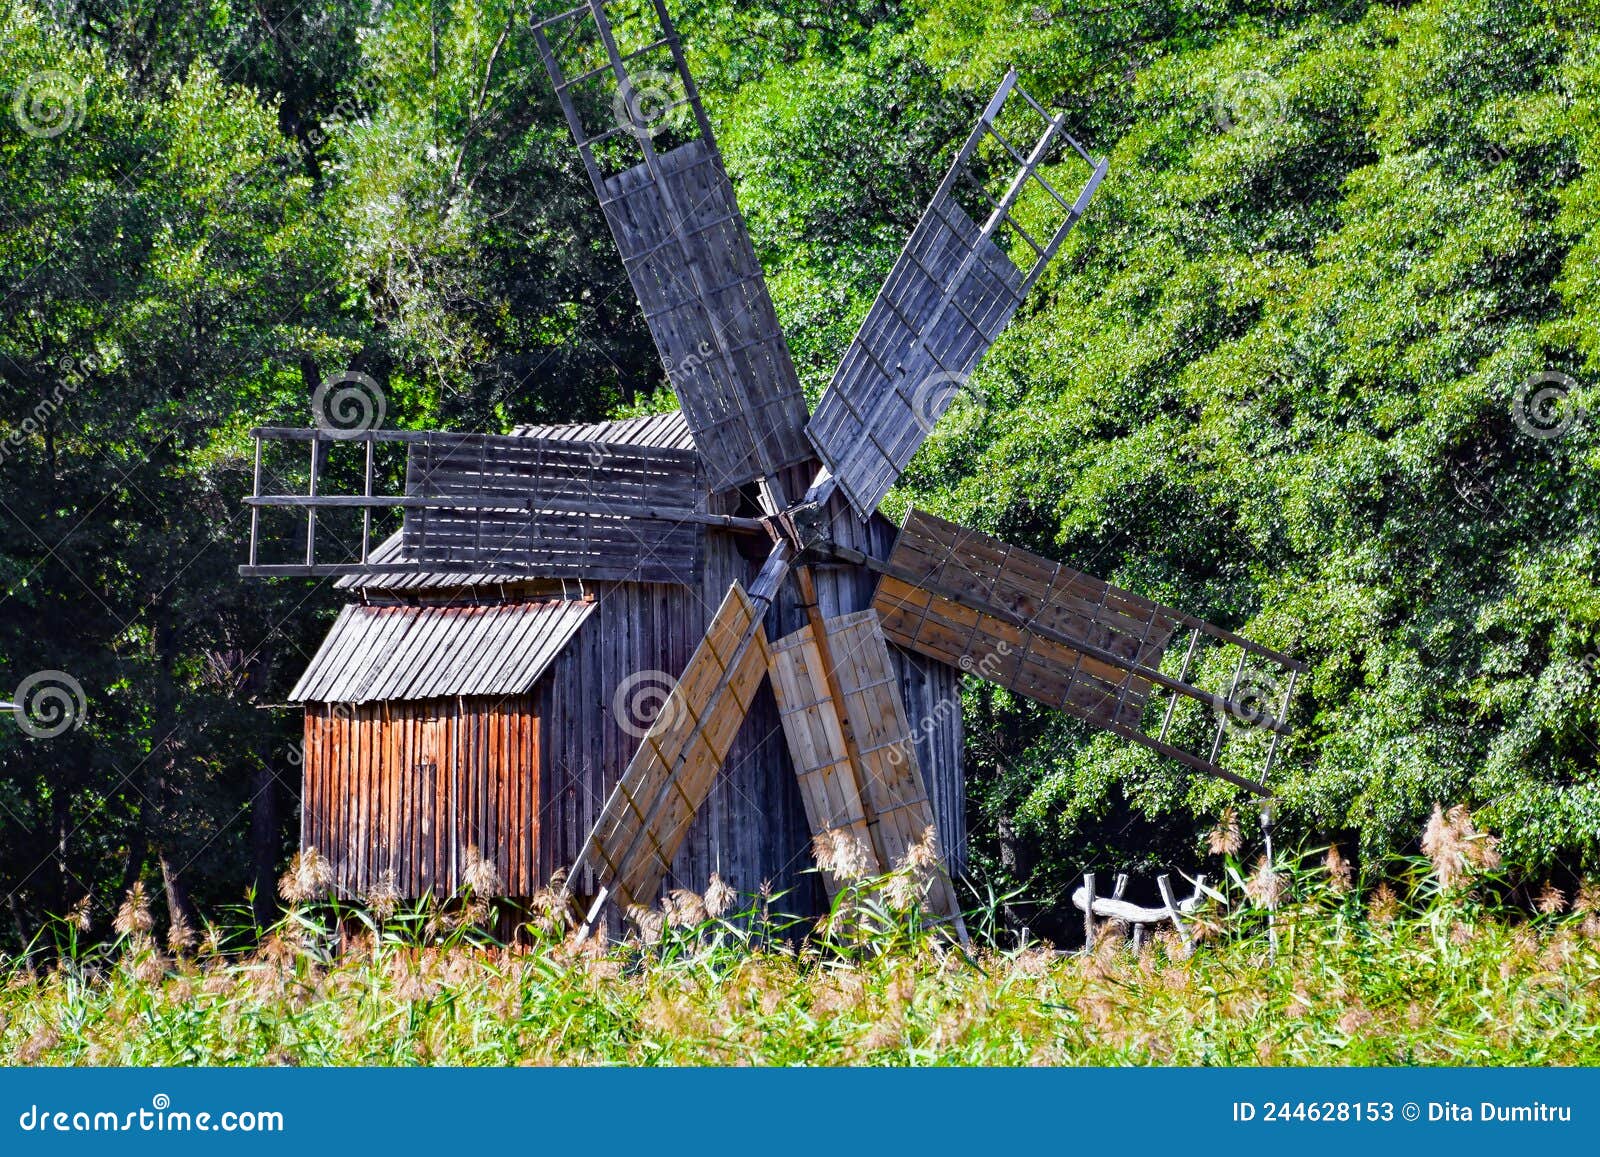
(1426, 974)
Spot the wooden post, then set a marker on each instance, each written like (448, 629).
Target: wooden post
(311, 511)
(1088, 912)
(255, 511)
(1233, 689)
(1164, 883)
(366, 511)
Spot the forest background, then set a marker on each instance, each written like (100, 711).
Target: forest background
(1317, 367)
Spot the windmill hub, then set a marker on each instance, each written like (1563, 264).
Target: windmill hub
(804, 527)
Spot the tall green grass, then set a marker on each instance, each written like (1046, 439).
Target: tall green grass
(1293, 967)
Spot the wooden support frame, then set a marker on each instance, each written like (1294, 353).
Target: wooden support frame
(649, 502)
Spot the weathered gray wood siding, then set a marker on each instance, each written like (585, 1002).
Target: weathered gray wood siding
(752, 829)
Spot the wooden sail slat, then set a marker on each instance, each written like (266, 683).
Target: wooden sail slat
(879, 799)
(1025, 589)
(631, 846)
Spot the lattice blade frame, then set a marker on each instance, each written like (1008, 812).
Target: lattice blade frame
(1065, 639)
(688, 253)
(948, 297)
(570, 509)
(630, 851)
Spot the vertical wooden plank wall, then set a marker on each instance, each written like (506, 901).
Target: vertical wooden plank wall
(752, 827)
(412, 788)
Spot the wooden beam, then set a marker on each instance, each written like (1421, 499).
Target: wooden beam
(533, 505)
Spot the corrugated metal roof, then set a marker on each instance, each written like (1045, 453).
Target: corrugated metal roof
(668, 431)
(386, 653)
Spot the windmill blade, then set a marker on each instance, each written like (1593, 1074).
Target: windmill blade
(1067, 640)
(948, 297)
(683, 241)
(829, 783)
(555, 509)
(644, 821)
(848, 736)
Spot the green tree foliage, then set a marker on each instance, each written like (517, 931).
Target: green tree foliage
(163, 265)
(1275, 381)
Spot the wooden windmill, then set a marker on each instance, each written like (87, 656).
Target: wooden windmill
(565, 510)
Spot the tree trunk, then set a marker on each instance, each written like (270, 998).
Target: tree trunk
(133, 867)
(24, 944)
(181, 913)
(264, 844)
(61, 816)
